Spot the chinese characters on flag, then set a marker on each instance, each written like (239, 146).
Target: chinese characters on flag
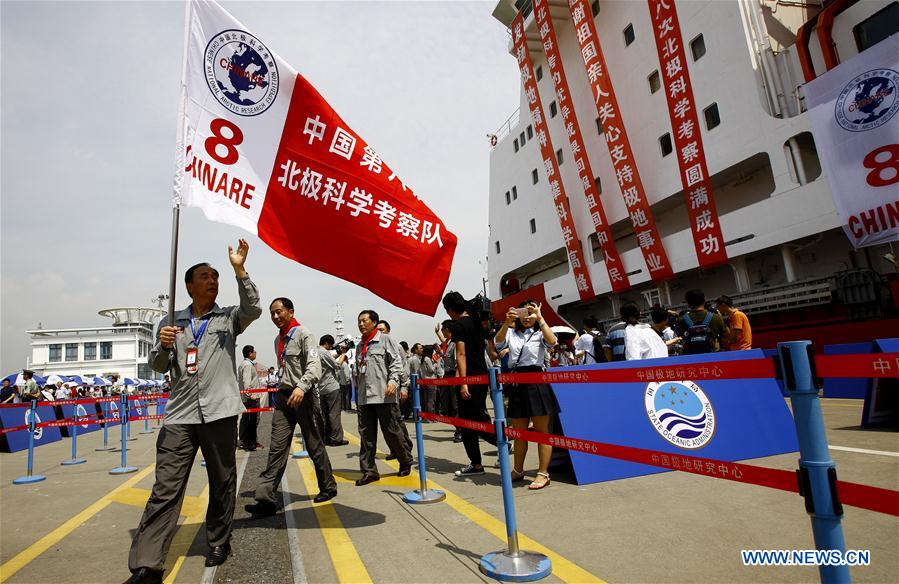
(706, 228)
(623, 162)
(557, 189)
(616, 272)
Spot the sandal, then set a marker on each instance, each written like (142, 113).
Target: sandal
(535, 486)
(517, 475)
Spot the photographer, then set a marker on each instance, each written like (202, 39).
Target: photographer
(329, 390)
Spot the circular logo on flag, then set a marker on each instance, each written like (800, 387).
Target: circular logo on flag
(681, 413)
(868, 101)
(241, 72)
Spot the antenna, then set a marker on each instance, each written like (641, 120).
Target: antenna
(160, 300)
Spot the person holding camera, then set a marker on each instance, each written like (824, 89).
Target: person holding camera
(528, 338)
(329, 390)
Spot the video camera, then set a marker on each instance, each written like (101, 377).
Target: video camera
(344, 345)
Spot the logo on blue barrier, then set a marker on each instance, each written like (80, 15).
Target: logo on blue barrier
(38, 432)
(681, 413)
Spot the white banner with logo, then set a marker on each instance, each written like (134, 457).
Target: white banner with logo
(853, 109)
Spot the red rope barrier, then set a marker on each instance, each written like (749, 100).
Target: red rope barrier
(469, 424)
(874, 365)
(254, 410)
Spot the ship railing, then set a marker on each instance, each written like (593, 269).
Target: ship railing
(507, 126)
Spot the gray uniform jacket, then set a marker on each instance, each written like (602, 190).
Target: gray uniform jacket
(383, 365)
(406, 379)
(247, 378)
(330, 368)
(211, 393)
(302, 366)
(415, 365)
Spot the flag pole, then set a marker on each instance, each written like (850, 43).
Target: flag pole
(179, 169)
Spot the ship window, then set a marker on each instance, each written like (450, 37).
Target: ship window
(877, 27)
(497, 246)
(521, 138)
(598, 182)
(539, 72)
(508, 198)
(533, 226)
(628, 35)
(71, 351)
(594, 7)
(665, 144)
(654, 82)
(106, 350)
(90, 351)
(598, 127)
(530, 131)
(712, 118)
(55, 353)
(515, 143)
(697, 46)
(559, 156)
(553, 110)
(514, 193)
(534, 176)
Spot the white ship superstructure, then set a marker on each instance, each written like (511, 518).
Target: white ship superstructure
(777, 216)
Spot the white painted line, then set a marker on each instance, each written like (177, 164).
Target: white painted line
(209, 573)
(293, 538)
(865, 451)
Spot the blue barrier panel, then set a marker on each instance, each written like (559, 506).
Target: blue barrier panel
(848, 388)
(728, 419)
(16, 441)
(780, 383)
(83, 411)
(882, 398)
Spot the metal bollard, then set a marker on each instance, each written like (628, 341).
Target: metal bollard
(817, 471)
(147, 429)
(422, 494)
(127, 420)
(123, 468)
(106, 447)
(74, 459)
(29, 476)
(512, 564)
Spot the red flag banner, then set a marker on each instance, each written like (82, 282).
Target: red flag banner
(626, 173)
(550, 165)
(261, 149)
(615, 269)
(704, 223)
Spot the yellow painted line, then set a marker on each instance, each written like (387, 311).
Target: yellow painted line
(26, 556)
(185, 536)
(563, 568)
(347, 563)
(138, 498)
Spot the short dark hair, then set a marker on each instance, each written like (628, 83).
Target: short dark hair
(326, 339)
(629, 311)
(386, 324)
(415, 346)
(726, 300)
(189, 274)
(404, 345)
(659, 315)
(455, 302)
(271, 368)
(694, 297)
(285, 302)
(372, 315)
(247, 349)
(591, 323)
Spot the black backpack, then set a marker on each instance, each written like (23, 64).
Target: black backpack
(599, 355)
(698, 336)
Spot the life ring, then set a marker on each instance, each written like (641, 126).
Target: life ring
(493, 140)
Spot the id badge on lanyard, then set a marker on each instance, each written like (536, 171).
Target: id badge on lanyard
(191, 362)
(286, 341)
(192, 354)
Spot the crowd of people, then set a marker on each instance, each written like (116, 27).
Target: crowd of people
(57, 388)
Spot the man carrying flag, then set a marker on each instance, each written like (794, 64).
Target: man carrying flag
(204, 402)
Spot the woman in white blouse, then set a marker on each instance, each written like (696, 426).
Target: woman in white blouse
(528, 338)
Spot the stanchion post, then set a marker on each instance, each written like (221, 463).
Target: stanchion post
(127, 419)
(106, 447)
(123, 417)
(817, 472)
(423, 494)
(74, 427)
(29, 476)
(146, 429)
(512, 564)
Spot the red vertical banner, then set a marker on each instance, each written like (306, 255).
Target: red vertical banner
(616, 271)
(557, 189)
(623, 162)
(704, 223)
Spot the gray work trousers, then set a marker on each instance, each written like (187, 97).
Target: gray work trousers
(330, 403)
(428, 397)
(176, 449)
(369, 417)
(284, 422)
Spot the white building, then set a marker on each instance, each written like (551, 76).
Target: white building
(121, 349)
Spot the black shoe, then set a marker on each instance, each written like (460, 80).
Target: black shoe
(390, 456)
(469, 470)
(369, 478)
(218, 555)
(145, 576)
(405, 470)
(457, 437)
(324, 496)
(261, 508)
(339, 443)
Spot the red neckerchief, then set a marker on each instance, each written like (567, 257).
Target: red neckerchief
(365, 342)
(443, 347)
(283, 335)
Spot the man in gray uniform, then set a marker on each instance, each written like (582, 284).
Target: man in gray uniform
(379, 371)
(384, 327)
(204, 402)
(295, 403)
(329, 391)
(247, 378)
